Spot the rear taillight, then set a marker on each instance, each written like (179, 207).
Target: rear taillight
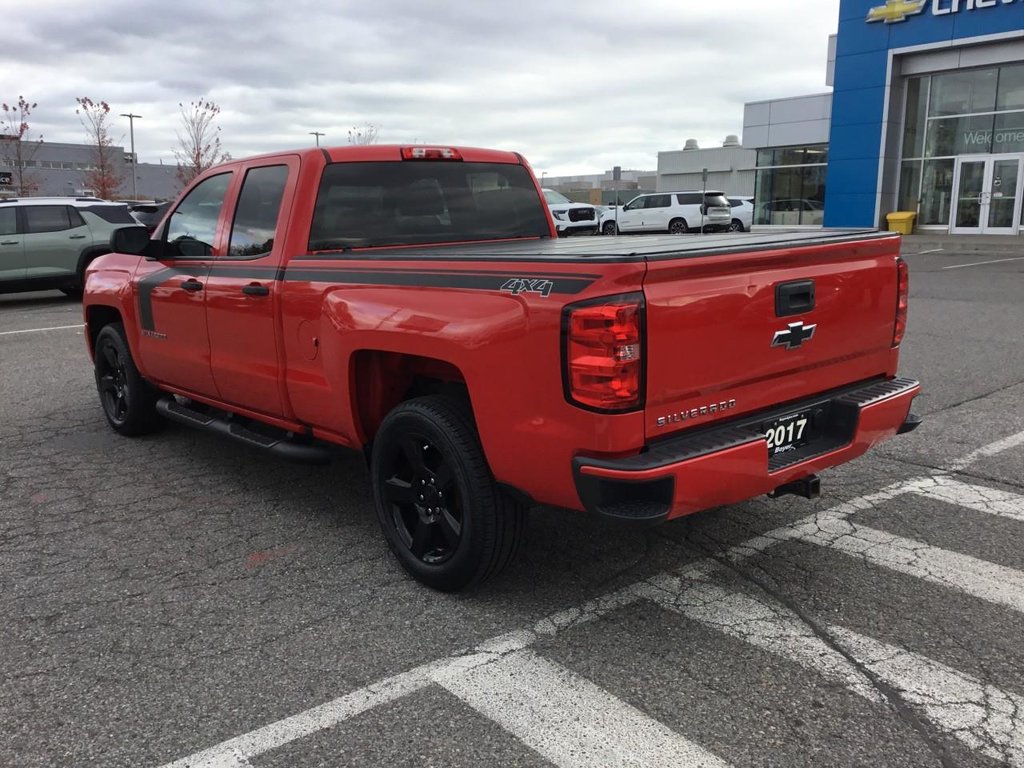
(603, 348)
(902, 296)
(430, 153)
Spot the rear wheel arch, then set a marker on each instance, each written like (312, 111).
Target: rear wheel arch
(380, 380)
(678, 225)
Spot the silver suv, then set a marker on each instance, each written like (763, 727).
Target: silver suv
(47, 242)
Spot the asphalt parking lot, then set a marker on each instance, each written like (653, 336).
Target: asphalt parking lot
(179, 601)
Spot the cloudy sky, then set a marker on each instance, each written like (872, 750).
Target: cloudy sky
(577, 86)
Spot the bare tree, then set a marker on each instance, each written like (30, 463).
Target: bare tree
(104, 178)
(200, 140)
(16, 150)
(365, 135)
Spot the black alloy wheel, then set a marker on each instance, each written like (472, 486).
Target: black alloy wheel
(128, 400)
(609, 228)
(736, 226)
(678, 227)
(423, 501)
(443, 516)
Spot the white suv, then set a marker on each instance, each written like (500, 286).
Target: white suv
(571, 218)
(676, 212)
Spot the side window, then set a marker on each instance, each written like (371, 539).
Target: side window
(193, 224)
(75, 218)
(689, 198)
(635, 204)
(8, 221)
(46, 218)
(252, 233)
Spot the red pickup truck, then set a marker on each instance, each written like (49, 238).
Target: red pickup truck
(416, 303)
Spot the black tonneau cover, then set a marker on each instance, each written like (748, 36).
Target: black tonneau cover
(602, 248)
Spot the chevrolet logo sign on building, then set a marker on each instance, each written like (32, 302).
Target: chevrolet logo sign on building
(896, 10)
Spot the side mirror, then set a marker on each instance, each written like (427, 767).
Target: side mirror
(129, 240)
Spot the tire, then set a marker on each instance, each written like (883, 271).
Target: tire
(736, 226)
(609, 228)
(441, 512)
(127, 399)
(678, 227)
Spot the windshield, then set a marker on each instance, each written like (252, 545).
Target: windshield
(372, 204)
(555, 198)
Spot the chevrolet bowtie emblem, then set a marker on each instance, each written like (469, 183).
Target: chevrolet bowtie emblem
(896, 10)
(795, 335)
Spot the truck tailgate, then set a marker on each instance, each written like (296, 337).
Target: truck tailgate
(737, 331)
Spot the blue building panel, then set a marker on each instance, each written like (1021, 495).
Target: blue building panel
(858, 106)
(855, 141)
(861, 69)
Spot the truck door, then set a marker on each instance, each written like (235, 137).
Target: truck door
(242, 301)
(12, 250)
(174, 345)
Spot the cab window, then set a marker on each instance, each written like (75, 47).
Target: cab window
(252, 233)
(193, 225)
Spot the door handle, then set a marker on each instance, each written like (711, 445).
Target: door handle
(192, 285)
(10, 242)
(255, 289)
(77, 237)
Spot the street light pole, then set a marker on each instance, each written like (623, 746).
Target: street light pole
(131, 131)
(318, 135)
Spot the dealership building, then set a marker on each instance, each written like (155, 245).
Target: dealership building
(926, 114)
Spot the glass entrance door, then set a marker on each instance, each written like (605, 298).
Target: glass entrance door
(987, 195)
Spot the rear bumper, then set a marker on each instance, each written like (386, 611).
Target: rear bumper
(730, 463)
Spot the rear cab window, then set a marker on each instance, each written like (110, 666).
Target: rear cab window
(373, 204)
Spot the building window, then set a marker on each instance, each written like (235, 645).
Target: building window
(791, 189)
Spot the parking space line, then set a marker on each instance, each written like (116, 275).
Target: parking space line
(982, 263)
(978, 578)
(567, 719)
(987, 451)
(983, 717)
(977, 497)
(235, 752)
(40, 330)
(326, 715)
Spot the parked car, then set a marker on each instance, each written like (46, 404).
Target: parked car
(149, 214)
(791, 211)
(606, 222)
(742, 213)
(571, 218)
(47, 242)
(676, 212)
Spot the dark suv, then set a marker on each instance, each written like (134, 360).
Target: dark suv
(47, 242)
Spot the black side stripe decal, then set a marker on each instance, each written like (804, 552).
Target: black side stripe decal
(564, 284)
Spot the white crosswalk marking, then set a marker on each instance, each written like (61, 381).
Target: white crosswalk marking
(978, 578)
(769, 627)
(976, 497)
(569, 720)
(983, 717)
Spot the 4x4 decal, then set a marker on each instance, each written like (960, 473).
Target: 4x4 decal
(518, 285)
